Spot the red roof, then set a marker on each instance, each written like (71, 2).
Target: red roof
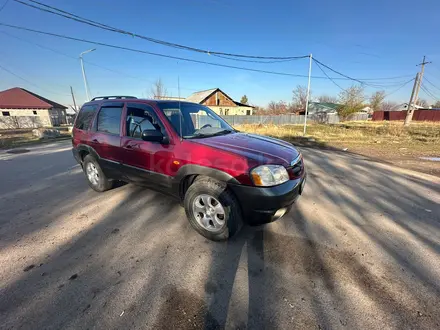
(20, 98)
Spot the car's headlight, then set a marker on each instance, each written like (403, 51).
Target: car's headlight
(269, 175)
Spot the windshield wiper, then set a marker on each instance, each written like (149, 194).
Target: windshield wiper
(222, 132)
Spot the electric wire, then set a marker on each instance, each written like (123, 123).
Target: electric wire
(77, 18)
(152, 53)
(29, 82)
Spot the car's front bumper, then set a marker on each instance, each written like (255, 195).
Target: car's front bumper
(266, 204)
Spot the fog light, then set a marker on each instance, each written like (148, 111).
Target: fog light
(278, 214)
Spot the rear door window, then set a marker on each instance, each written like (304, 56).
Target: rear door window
(109, 118)
(85, 117)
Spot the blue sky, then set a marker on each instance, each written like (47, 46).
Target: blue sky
(363, 39)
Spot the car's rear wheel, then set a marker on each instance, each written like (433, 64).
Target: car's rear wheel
(212, 210)
(95, 176)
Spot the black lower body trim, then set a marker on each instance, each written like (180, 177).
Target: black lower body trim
(262, 205)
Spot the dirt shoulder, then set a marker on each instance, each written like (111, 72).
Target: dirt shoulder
(23, 137)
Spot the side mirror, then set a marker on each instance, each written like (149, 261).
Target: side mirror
(152, 135)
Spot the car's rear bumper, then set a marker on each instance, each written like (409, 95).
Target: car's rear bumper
(262, 205)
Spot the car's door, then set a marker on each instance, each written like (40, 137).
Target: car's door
(145, 162)
(106, 137)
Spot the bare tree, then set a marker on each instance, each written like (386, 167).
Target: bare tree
(423, 103)
(277, 108)
(158, 90)
(389, 106)
(300, 97)
(352, 100)
(376, 100)
(327, 99)
(258, 110)
(436, 105)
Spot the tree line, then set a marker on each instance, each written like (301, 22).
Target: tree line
(349, 101)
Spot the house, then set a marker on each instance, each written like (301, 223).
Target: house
(220, 102)
(322, 107)
(28, 109)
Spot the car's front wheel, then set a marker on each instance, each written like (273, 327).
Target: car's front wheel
(212, 210)
(95, 176)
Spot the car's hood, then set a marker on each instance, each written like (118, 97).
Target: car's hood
(260, 149)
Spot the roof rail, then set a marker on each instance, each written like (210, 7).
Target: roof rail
(117, 97)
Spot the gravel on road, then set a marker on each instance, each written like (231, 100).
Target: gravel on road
(361, 249)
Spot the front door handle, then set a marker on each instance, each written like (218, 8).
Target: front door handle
(131, 146)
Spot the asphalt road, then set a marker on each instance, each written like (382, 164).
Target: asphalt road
(361, 250)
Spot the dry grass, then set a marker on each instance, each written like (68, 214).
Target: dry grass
(359, 132)
(389, 141)
(17, 137)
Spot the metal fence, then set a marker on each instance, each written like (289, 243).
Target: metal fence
(322, 118)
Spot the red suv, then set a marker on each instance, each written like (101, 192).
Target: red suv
(224, 177)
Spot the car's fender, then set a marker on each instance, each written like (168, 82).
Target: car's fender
(192, 169)
(90, 150)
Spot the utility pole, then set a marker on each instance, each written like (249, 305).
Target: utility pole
(84, 72)
(73, 98)
(308, 94)
(415, 92)
(409, 112)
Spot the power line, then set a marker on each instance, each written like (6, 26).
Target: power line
(88, 62)
(165, 56)
(359, 80)
(428, 92)
(4, 5)
(39, 45)
(332, 80)
(320, 68)
(337, 72)
(403, 85)
(151, 53)
(68, 15)
(29, 82)
(257, 61)
(427, 80)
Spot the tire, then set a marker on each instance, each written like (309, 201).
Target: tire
(102, 183)
(206, 193)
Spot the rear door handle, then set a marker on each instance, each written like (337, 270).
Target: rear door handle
(95, 140)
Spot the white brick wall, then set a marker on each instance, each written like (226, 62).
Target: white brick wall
(42, 117)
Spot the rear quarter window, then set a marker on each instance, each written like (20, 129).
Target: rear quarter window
(85, 117)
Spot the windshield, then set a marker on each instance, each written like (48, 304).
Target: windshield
(192, 120)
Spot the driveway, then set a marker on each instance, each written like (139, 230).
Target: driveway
(361, 249)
